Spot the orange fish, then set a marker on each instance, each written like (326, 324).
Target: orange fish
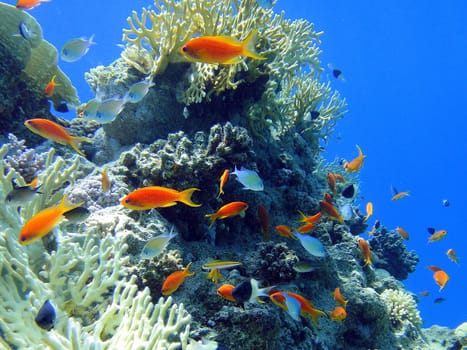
(441, 278)
(306, 307)
(331, 182)
(306, 228)
(105, 181)
(400, 195)
(331, 211)
(355, 164)
(424, 293)
(220, 49)
(263, 218)
(50, 87)
(369, 211)
(365, 250)
(52, 131)
(227, 211)
(338, 314)
(339, 298)
(175, 280)
(157, 197)
(29, 4)
(222, 181)
(452, 255)
(285, 231)
(44, 221)
(311, 219)
(437, 236)
(225, 291)
(327, 198)
(403, 233)
(339, 177)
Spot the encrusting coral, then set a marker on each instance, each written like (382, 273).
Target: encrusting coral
(98, 304)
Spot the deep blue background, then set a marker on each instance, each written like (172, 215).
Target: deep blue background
(404, 65)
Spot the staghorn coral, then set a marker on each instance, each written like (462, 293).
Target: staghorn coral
(97, 302)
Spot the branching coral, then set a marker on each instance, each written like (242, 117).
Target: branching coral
(98, 304)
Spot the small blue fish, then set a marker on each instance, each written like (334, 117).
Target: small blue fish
(265, 4)
(108, 110)
(25, 32)
(249, 179)
(155, 246)
(46, 316)
(446, 203)
(75, 49)
(293, 306)
(90, 109)
(312, 245)
(346, 211)
(138, 91)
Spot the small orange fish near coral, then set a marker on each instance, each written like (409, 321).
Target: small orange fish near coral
(403, 233)
(440, 276)
(369, 211)
(437, 236)
(311, 219)
(331, 182)
(29, 4)
(223, 179)
(105, 181)
(50, 87)
(339, 298)
(306, 307)
(227, 211)
(52, 131)
(157, 197)
(338, 314)
(285, 231)
(365, 250)
(225, 291)
(331, 211)
(220, 49)
(354, 165)
(175, 280)
(263, 218)
(44, 221)
(452, 255)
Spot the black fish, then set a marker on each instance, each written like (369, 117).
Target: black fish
(46, 316)
(377, 224)
(22, 195)
(337, 73)
(62, 107)
(431, 230)
(349, 191)
(439, 300)
(77, 214)
(314, 115)
(242, 292)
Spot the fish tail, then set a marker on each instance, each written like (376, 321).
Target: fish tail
(212, 219)
(74, 140)
(187, 270)
(248, 46)
(67, 206)
(185, 197)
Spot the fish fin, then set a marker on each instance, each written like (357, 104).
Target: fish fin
(187, 269)
(185, 197)
(212, 218)
(77, 139)
(234, 60)
(67, 206)
(248, 46)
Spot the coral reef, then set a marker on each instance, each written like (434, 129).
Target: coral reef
(392, 254)
(26, 66)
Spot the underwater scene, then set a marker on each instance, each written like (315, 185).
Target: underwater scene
(232, 174)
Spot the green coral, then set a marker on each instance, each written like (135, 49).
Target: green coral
(36, 57)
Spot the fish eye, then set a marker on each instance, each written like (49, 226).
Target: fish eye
(185, 49)
(23, 239)
(127, 201)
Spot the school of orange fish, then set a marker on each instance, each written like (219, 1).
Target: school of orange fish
(219, 50)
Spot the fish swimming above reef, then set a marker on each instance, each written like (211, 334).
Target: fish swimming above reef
(339, 298)
(175, 280)
(452, 255)
(355, 164)
(364, 247)
(88, 112)
(287, 303)
(108, 110)
(285, 231)
(55, 132)
(222, 180)
(155, 246)
(46, 316)
(76, 48)
(50, 87)
(225, 291)
(157, 197)
(396, 195)
(440, 276)
(221, 49)
(25, 32)
(249, 179)
(312, 245)
(105, 180)
(445, 203)
(220, 264)
(44, 221)
(29, 4)
(249, 291)
(227, 211)
(304, 267)
(437, 236)
(22, 195)
(403, 233)
(77, 214)
(137, 91)
(306, 307)
(338, 314)
(349, 191)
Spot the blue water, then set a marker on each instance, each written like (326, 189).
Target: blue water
(404, 65)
